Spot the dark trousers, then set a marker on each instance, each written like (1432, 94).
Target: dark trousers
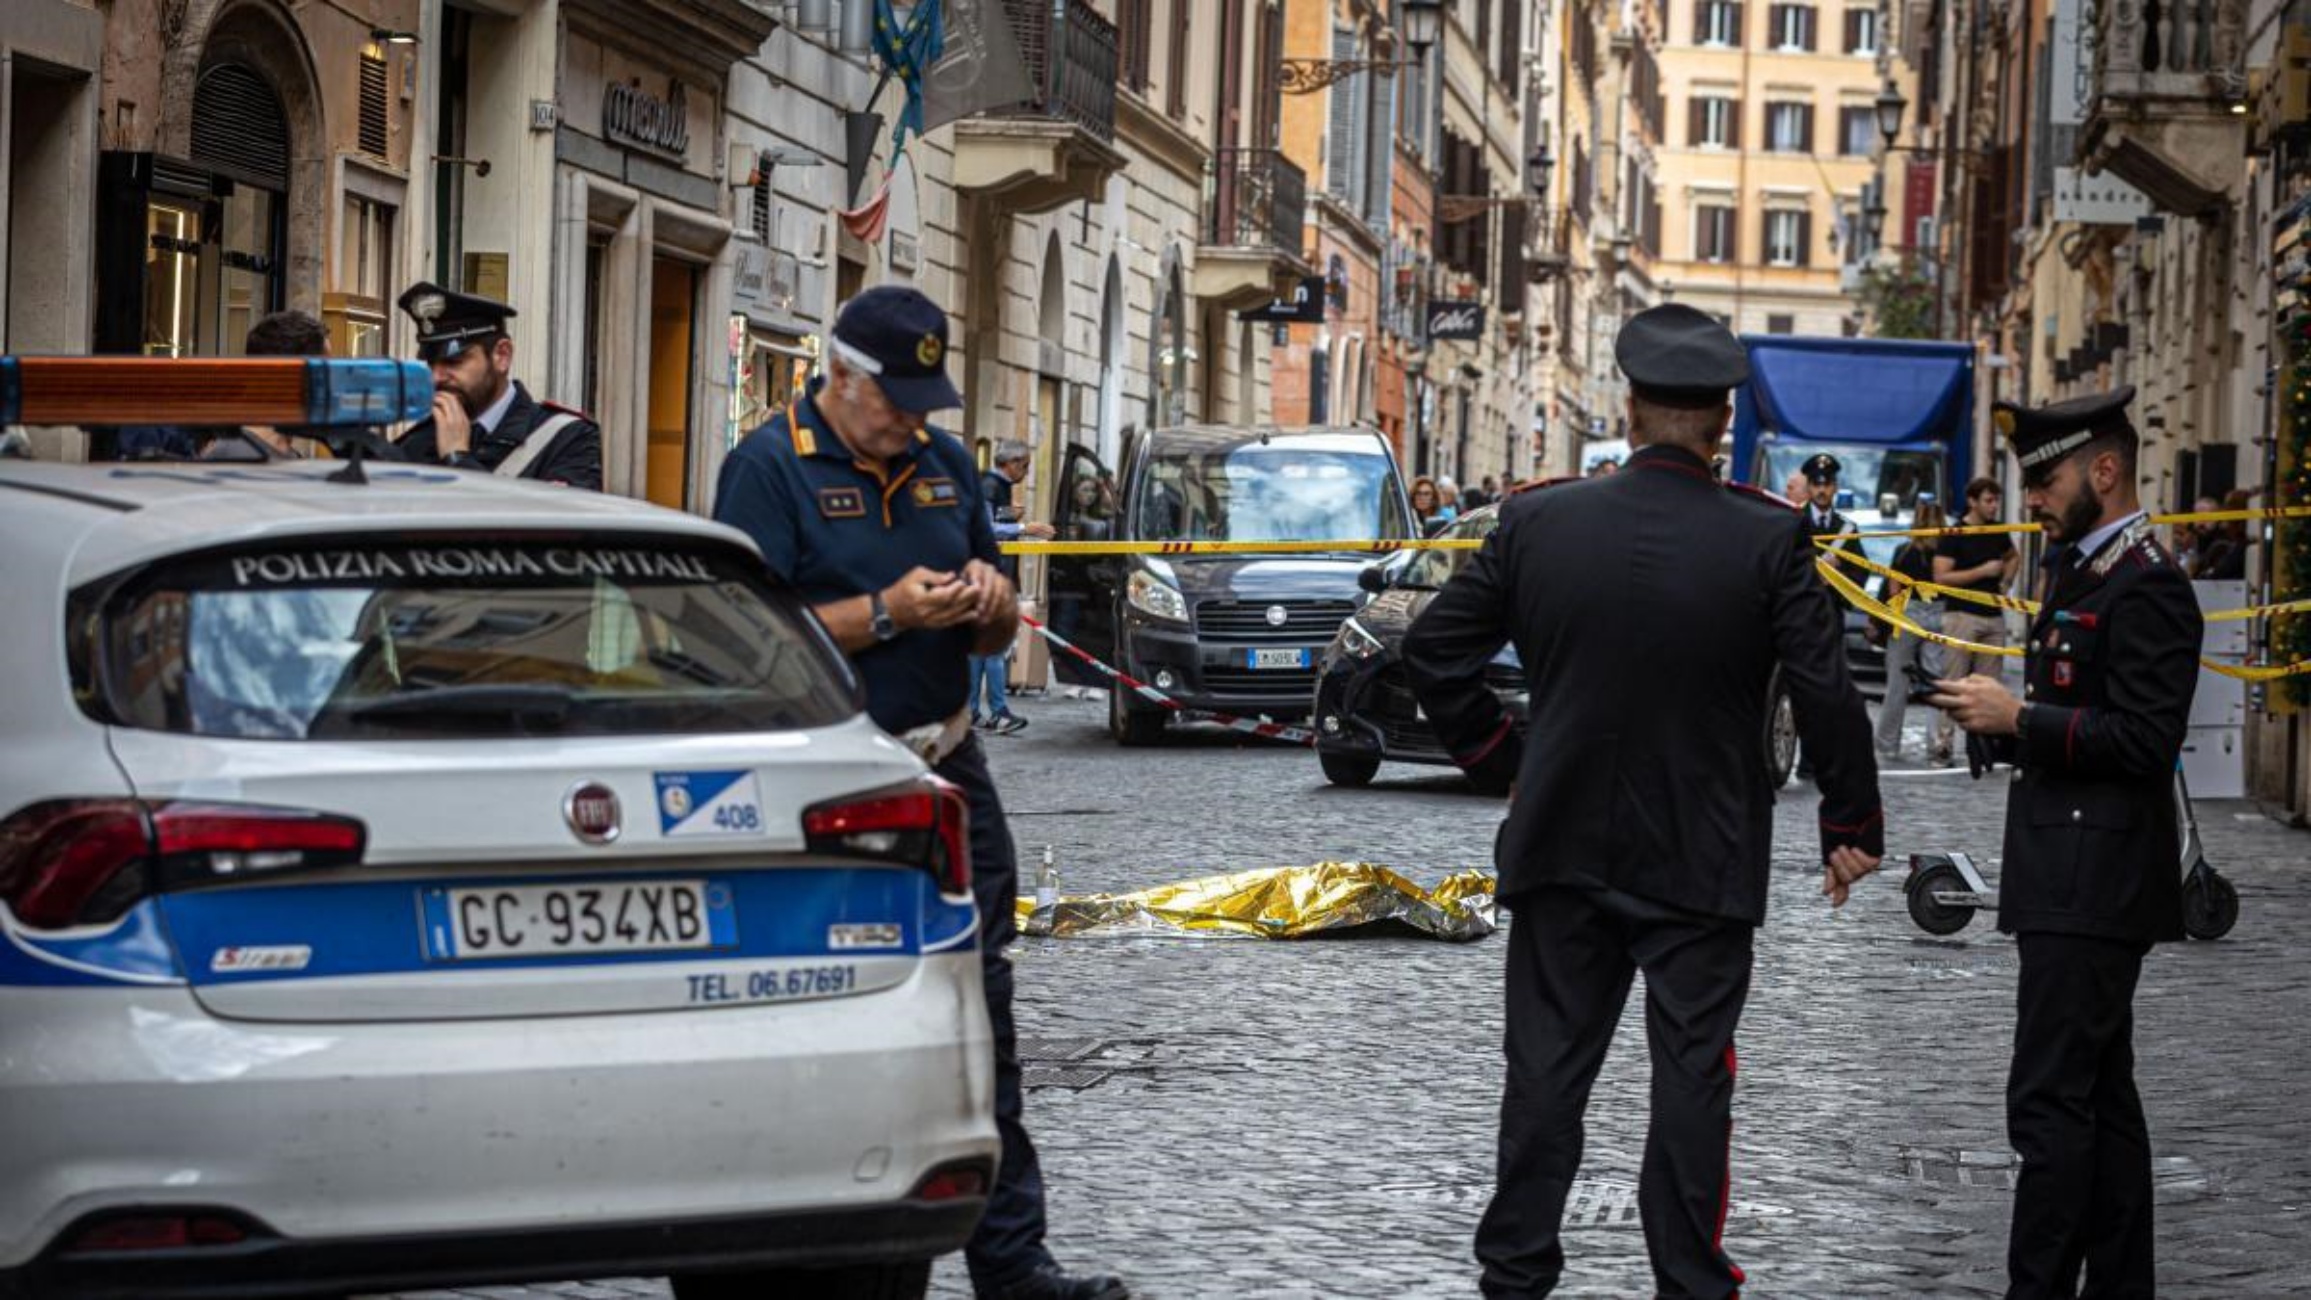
(1009, 1243)
(1572, 954)
(2072, 1112)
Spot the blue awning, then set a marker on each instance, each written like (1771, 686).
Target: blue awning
(1820, 391)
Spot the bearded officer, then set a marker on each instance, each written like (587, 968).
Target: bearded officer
(1640, 821)
(877, 520)
(2091, 880)
(483, 419)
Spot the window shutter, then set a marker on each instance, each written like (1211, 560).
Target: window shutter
(1693, 132)
(1358, 89)
(1805, 128)
(1340, 127)
(1805, 239)
(373, 98)
(1380, 143)
(762, 204)
(1853, 30)
(1511, 296)
(1176, 75)
(1733, 123)
(1737, 8)
(1805, 22)
(1701, 21)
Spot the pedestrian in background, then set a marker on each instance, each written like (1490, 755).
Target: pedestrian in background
(2223, 555)
(282, 334)
(1428, 508)
(2090, 881)
(1640, 821)
(1913, 559)
(906, 583)
(1979, 562)
(990, 699)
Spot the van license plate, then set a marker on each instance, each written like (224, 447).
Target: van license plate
(569, 919)
(1276, 658)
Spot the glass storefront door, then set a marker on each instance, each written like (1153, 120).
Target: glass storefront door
(673, 316)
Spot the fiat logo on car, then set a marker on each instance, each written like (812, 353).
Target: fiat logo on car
(1277, 614)
(591, 808)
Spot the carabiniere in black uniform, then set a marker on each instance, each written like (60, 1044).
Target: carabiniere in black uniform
(451, 325)
(1641, 822)
(2091, 875)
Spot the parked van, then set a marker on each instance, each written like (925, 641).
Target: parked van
(1233, 633)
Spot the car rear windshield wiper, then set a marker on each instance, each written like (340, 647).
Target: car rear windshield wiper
(538, 702)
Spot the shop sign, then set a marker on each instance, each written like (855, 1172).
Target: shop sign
(906, 252)
(1450, 319)
(750, 278)
(1305, 308)
(634, 117)
(2103, 200)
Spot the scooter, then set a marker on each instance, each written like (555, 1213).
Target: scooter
(1946, 889)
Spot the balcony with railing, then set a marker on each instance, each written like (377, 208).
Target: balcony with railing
(1056, 146)
(2169, 80)
(1255, 214)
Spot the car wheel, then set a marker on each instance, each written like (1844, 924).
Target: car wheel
(1780, 733)
(1933, 916)
(1351, 770)
(1130, 726)
(901, 1281)
(2210, 905)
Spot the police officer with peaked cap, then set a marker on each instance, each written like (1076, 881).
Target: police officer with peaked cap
(483, 419)
(1822, 518)
(1640, 820)
(2091, 878)
(878, 521)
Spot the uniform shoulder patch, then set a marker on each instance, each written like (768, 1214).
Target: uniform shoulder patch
(1756, 493)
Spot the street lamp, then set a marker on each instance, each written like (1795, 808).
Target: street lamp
(1423, 22)
(1889, 107)
(1873, 213)
(1538, 167)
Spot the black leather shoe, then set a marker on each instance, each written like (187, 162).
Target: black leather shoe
(1053, 1283)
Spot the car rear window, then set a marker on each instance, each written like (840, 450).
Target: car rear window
(449, 639)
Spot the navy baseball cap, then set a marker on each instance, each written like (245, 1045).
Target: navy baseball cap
(900, 337)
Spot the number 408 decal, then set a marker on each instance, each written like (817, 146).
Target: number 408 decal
(709, 803)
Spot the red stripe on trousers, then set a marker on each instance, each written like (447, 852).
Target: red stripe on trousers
(1725, 1196)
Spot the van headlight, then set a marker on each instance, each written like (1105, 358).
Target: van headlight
(1358, 643)
(1152, 596)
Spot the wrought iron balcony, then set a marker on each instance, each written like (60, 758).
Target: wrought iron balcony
(1255, 211)
(1258, 199)
(1071, 59)
(1057, 146)
(2169, 88)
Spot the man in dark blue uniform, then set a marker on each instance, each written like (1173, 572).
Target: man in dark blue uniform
(1641, 813)
(2092, 879)
(878, 521)
(483, 419)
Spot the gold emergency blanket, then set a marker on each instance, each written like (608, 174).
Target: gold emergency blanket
(1327, 900)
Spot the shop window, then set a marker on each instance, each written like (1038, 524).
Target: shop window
(171, 281)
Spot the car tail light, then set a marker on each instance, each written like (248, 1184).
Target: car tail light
(952, 1182)
(86, 861)
(158, 1230)
(925, 824)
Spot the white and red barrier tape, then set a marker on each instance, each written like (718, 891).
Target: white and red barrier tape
(1249, 726)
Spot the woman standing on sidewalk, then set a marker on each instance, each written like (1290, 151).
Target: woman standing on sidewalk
(1915, 561)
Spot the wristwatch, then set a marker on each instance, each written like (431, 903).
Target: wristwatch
(879, 618)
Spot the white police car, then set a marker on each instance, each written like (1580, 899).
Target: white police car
(442, 879)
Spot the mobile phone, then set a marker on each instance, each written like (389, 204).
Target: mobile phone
(1922, 688)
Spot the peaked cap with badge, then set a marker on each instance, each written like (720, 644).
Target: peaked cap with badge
(1821, 467)
(2042, 436)
(449, 322)
(1678, 357)
(900, 337)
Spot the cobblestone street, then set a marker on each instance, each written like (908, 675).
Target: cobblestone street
(1236, 1118)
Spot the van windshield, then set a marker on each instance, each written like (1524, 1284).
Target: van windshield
(1270, 493)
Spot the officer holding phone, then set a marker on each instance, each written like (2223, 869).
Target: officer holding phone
(878, 520)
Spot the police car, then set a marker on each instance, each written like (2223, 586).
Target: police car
(434, 879)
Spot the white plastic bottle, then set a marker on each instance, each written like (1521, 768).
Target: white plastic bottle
(1046, 882)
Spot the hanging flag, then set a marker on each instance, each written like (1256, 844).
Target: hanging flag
(908, 47)
(867, 220)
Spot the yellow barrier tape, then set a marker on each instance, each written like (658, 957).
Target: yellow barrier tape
(1892, 614)
(1863, 562)
(2188, 517)
(1876, 609)
(1381, 547)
